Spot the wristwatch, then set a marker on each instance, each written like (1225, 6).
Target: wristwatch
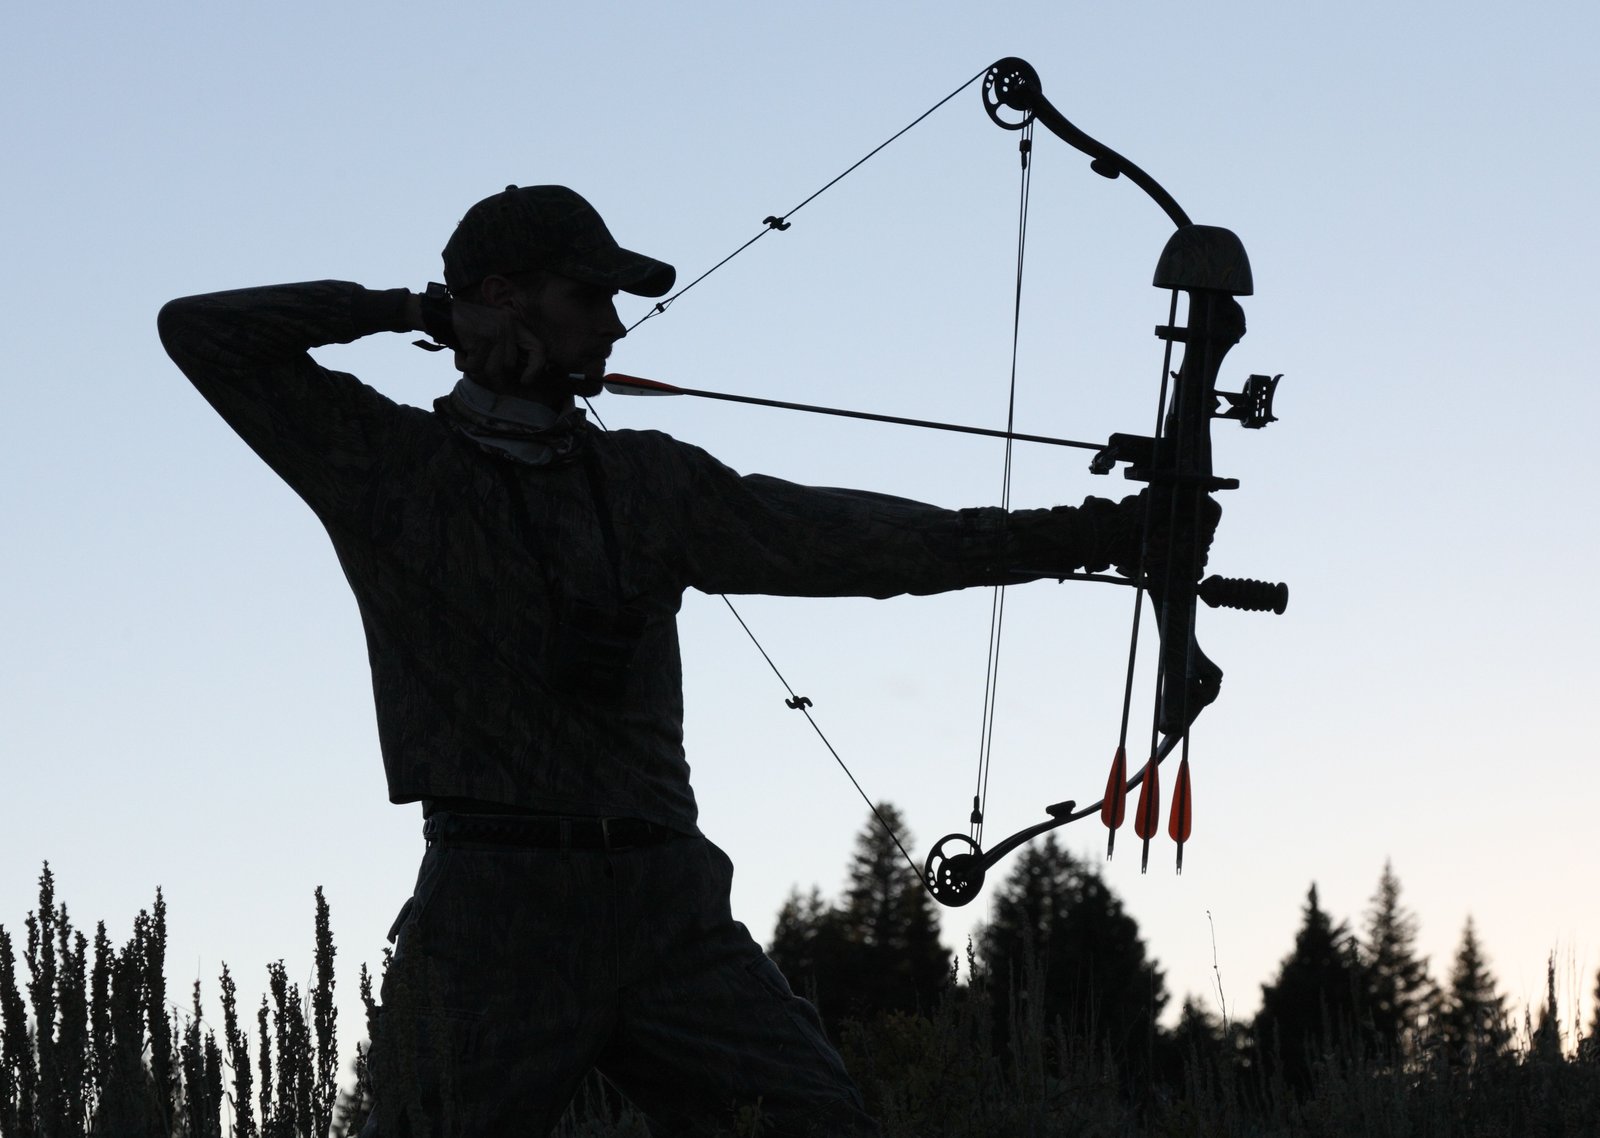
(438, 319)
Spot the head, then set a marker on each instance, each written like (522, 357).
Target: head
(544, 251)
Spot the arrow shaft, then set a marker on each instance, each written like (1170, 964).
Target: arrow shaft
(900, 420)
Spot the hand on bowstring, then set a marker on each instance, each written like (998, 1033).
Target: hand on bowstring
(496, 347)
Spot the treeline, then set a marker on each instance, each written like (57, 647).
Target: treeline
(1056, 1028)
(1353, 1025)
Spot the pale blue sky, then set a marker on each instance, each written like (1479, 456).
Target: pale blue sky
(185, 698)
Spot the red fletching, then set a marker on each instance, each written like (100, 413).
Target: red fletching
(1114, 806)
(1182, 809)
(1182, 820)
(619, 384)
(1148, 817)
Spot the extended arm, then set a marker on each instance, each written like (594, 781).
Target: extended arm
(756, 534)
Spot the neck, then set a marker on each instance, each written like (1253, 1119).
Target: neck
(556, 395)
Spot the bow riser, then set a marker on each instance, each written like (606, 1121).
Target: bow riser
(1209, 265)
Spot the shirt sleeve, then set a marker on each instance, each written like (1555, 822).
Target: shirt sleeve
(247, 352)
(758, 534)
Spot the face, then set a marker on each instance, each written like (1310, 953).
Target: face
(576, 322)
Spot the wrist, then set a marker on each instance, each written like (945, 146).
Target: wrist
(380, 310)
(435, 315)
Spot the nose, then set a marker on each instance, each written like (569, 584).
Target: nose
(612, 325)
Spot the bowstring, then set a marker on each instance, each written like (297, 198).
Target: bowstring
(795, 701)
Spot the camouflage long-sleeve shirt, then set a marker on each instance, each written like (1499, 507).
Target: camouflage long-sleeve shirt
(521, 619)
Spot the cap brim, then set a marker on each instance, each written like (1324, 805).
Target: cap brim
(622, 269)
(649, 277)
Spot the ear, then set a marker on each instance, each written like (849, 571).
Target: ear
(497, 292)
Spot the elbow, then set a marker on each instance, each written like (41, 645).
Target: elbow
(175, 316)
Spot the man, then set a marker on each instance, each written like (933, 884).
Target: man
(518, 574)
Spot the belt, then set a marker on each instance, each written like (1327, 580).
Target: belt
(546, 831)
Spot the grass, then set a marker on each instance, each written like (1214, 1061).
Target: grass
(89, 1045)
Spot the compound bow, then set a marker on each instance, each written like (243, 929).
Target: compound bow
(1209, 265)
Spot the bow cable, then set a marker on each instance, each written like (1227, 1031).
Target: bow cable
(803, 705)
(991, 682)
(781, 222)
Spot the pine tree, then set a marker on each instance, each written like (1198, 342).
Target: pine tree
(1061, 945)
(1399, 994)
(1589, 1049)
(889, 915)
(877, 951)
(1545, 1040)
(1314, 1007)
(1197, 1048)
(806, 944)
(1472, 1022)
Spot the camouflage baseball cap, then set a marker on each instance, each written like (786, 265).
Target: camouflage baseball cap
(546, 227)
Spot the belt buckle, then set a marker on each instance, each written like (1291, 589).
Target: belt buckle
(605, 834)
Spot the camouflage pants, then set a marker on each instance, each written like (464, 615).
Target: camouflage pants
(518, 970)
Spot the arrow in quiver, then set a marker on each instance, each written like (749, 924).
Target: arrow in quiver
(1148, 816)
(1114, 806)
(1182, 819)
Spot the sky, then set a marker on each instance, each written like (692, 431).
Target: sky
(185, 699)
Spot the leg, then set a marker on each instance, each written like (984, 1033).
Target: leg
(495, 1005)
(707, 1025)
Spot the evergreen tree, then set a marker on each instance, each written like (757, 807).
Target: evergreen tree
(892, 921)
(1061, 946)
(1545, 1040)
(809, 949)
(1196, 1051)
(877, 951)
(1314, 1006)
(1399, 995)
(1589, 1049)
(1472, 1022)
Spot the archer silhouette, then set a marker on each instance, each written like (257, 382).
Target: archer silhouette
(519, 574)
